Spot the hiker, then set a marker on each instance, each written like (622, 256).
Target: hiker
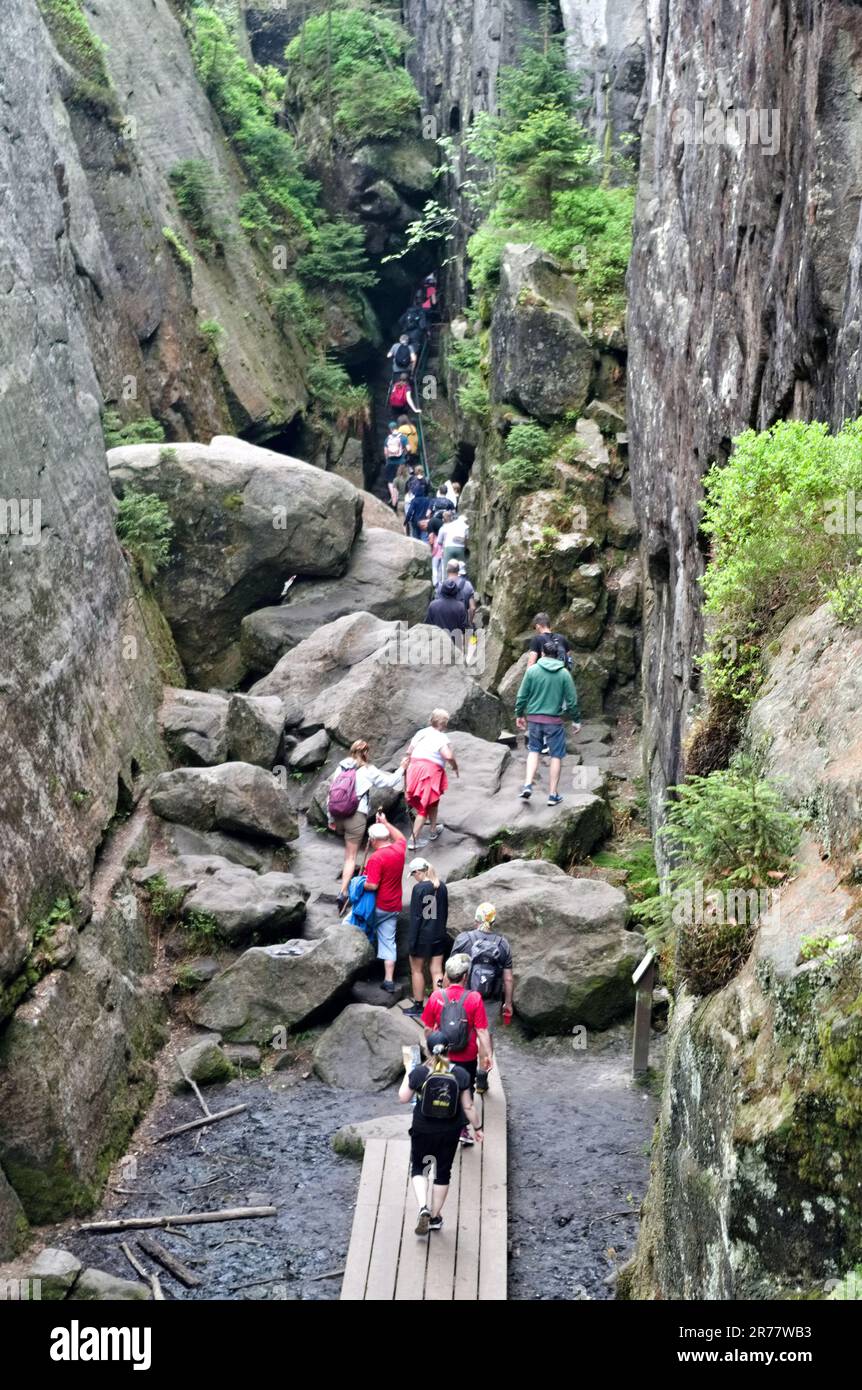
(414, 322)
(400, 395)
(453, 492)
(436, 522)
(425, 777)
(444, 505)
(417, 513)
(429, 300)
(394, 454)
(456, 574)
(402, 355)
(546, 693)
(418, 482)
(429, 913)
(459, 1014)
(442, 1111)
(383, 874)
(411, 434)
(542, 626)
(490, 959)
(348, 803)
(453, 539)
(448, 611)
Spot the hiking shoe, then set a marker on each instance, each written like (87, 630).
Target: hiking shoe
(435, 834)
(436, 1223)
(415, 1011)
(423, 1222)
(466, 1138)
(416, 844)
(526, 791)
(555, 799)
(341, 903)
(388, 985)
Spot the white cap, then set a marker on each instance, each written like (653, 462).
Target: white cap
(378, 832)
(416, 864)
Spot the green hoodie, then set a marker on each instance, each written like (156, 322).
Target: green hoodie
(547, 688)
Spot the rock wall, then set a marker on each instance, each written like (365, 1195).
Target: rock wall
(743, 285)
(605, 42)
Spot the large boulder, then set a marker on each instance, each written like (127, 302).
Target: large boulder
(56, 1271)
(242, 903)
(255, 725)
(541, 360)
(573, 957)
(274, 987)
(361, 1050)
(193, 725)
(236, 797)
(203, 1062)
(244, 520)
(389, 575)
(350, 1140)
(97, 1286)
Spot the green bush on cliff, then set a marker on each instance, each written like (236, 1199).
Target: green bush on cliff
(144, 528)
(335, 402)
(777, 514)
(75, 39)
(337, 257)
(348, 64)
(144, 430)
(199, 193)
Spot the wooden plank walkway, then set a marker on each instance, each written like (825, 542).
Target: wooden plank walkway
(468, 1258)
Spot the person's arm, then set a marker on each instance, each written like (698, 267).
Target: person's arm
(412, 404)
(521, 700)
(448, 752)
(470, 1111)
(532, 659)
(442, 908)
(406, 1091)
(486, 1051)
(572, 707)
(508, 988)
(393, 829)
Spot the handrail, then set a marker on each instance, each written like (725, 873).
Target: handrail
(420, 363)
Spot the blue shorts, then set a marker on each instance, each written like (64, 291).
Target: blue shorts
(554, 734)
(385, 923)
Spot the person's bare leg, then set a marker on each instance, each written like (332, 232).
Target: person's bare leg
(417, 827)
(417, 978)
(554, 775)
(436, 971)
(432, 815)
(393, 494)
(350, 852)
(389, 969)
(532, 768)
(438, 1197)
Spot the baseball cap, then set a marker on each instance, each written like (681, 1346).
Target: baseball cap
(417, 864)
(456, 966)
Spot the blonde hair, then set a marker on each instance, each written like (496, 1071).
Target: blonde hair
(432, 874)
(359, 749)
(439, 718)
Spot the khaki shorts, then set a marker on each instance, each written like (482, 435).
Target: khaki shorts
(353, 828)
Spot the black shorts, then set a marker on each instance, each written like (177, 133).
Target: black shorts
(424, 948)
(441, 1147)
(390, 470)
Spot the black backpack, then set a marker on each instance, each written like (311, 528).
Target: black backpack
(486, 965)
(439, 1097)
(563, 653)
(454, 1023)
(414, 318)
(403, 357)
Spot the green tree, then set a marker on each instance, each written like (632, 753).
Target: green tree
(337, 257)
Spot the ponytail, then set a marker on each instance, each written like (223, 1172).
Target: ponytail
(433, 875)
(439, 1062)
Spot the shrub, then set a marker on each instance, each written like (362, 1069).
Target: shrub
(163, 903)
(291, 306)
(144, 527)
(179, 248)
(145, 430)
(336, 402)
(349, 64)
(337, 257)
(198, 190)
(529, 441)
(212, 332)
(75, 39)
(520, 474)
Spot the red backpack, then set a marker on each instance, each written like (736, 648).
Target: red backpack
(398, 395)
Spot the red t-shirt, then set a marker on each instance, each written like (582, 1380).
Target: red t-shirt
(474, 1008)
(384, 871)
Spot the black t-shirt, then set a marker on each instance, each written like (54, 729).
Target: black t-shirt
(467, 941)
(429, 913)
(542, 637)
(421, 1123)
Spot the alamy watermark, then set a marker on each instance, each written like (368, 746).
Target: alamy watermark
(714, 907)
(725, 123)
(21, 516)
(433, 647)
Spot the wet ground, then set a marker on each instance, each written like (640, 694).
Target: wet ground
(579, 1134)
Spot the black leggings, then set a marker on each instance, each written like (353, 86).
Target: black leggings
(441, 1147)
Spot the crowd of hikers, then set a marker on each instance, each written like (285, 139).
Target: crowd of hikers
(452, 983)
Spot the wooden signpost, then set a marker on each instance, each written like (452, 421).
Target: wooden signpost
(643, 980)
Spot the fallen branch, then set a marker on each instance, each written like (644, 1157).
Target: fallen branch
(196, 1124)
(192, 1218)
(195, 1087)
(157, 1252)
(608, 1215)
(332, 1274)
(151, 1279)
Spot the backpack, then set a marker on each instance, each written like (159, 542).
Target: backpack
(343, 796)
(393, 450)
(562, 654)
(403, 357)
(454, 1023)
(398, 395)
(439, 1097)
(414, 318)
(486, 967)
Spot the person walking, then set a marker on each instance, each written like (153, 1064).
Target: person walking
(400, 395)
(448, 611)
(411, 435)
(456, 574)
(417, 511)
(490, 956)
(348, 803)
(425, 778)
(545, 694)
(453, 539)
(402, 356)
(429, 913)
(459, 1013)
(542, 630)
(394, 455)
(453, 492)
(383, 874)
(443, 1109)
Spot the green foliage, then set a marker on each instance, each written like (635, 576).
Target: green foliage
(163, 903)
(202, 925)
(144, 527)
(337, 256)
(526, 466)
(198, 192)
(467, 358)
(850, 1287)
(61, 911)
(145, 430)
(247, 102)
(179, 248)
(812, 947)
(336, 403)
(212, 332)
(75, 39)
(529, 441)
(775, 513)
(292, 308)
(348, 63)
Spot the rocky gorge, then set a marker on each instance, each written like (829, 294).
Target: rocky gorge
(203, 268)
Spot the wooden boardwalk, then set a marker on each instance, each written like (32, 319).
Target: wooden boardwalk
(467, 1259)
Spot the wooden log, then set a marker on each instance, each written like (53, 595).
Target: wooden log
(151, 1279)
(157, 1252)
(191, 1218)
(195, 1087)
(211, 1119)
